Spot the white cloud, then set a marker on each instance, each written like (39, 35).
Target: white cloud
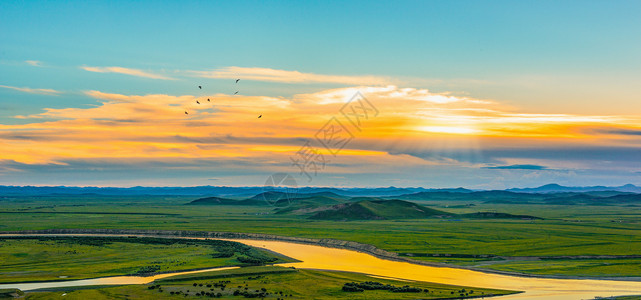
(126, 71)
(33, 91)
(35, 63)
(274, 75)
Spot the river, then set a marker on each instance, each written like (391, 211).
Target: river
(317, 257)
(115, 280)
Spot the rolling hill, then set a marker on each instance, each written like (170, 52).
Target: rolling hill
(510, 197)
(278, 199)
(304, 205)
(377, 210)
(496, 215)
(313, 200)
(224, 201)
(277, 195)
(213, 201)
(474, 196)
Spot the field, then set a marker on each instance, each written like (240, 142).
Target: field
(566, 242)
(61, 258)
(267, 283)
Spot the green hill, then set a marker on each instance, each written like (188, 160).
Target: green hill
(392, 210)
(496, 215)
(274, 196)
(573, 200)
(322, 194)
(377, 210)
(224, 201)
(213, 201)
(623, 199)
(511, 197)
(490, 196)
(306, 205)
(360, 198)
(271, 196)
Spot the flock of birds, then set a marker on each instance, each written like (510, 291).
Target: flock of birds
(200, 87)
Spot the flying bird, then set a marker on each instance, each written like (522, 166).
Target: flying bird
(200, 87)
(260, 116)
(236, 93)
(208, 100)
(186, 113)
(237, 80)
(197, 102)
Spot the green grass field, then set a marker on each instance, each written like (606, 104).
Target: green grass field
(566, 230)
(56, 258)
(294, 284)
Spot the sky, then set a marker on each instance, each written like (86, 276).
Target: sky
(479, 94)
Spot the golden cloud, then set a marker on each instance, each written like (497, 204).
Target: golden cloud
(156, 127)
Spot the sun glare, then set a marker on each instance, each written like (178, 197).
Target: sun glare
(449, 129)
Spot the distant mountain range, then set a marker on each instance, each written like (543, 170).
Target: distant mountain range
(607, 197)
(245, 192)
(555, 188)
(346, 204)
(221, 191)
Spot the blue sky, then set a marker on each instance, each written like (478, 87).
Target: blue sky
(570, 58)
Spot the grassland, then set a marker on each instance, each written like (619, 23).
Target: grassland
(277, 282)
(63, 258)
(566, 229)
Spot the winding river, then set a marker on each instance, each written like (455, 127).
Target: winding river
(115, 280)
(317, 257)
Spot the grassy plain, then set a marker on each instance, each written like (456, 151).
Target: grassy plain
(294, 284)
(566, 229)
(61, 258)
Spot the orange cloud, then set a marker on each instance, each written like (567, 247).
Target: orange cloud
(274, 75)
(156, 127)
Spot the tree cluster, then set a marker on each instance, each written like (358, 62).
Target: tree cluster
(373, 285)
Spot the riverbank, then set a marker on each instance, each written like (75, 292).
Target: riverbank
(48, 258)
(331, 243)
(269, 282)
(316, 257)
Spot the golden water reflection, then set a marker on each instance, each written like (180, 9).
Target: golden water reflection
(316, 257)
(116, 280)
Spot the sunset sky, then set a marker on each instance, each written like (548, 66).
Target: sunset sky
(479, 94)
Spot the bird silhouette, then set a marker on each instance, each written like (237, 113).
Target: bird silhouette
(208, 100)
(237, 80)
(186, 113)
(260, 116)
(236, 93)
(200, 87)
(197, 102)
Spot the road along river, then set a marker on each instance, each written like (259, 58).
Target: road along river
(318, 257)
